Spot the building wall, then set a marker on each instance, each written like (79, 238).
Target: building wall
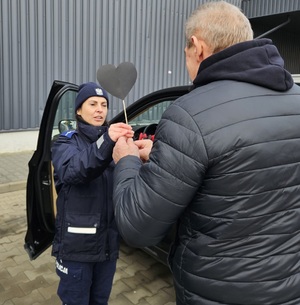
(288, 45)
(267, 15)
(69, 40)
(259, 8)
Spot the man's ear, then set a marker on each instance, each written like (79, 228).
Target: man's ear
(197, 47)
(201, 48)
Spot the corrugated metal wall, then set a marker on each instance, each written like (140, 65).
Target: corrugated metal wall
(288, 44)
(286, 38)
(69, 39)
(258, 8)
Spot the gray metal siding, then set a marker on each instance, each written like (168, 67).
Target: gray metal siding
(258, 8)
(288, 44)
(69, 39)
(270, 18)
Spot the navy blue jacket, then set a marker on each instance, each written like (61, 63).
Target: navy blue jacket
(83, 168)
(225, 164)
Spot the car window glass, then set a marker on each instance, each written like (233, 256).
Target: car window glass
(151, 115)
(65, 115)
(145, 122)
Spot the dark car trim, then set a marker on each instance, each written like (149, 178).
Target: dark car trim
(151, 99)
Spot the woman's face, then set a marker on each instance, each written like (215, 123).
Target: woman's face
(94, 110)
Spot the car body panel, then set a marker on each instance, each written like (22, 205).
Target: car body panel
(41, 194)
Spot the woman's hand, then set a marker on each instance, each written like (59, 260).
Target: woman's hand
(117, 130)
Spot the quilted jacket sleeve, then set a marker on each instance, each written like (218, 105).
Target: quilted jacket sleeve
(149, 198)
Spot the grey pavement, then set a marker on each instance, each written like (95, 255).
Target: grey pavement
(139, 279)
(14, 170)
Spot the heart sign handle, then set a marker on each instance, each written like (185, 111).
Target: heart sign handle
(125, 113)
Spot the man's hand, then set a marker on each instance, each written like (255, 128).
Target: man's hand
(117, 130)
(124, 147)
(145, 147)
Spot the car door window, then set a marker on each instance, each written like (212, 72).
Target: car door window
(151, 115)
(65, 114)
(64, 121)
(144, 124)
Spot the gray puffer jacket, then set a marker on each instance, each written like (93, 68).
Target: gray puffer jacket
(226, 164)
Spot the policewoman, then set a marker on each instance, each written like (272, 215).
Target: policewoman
(86, 242)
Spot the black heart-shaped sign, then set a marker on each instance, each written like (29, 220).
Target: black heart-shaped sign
(118, 81)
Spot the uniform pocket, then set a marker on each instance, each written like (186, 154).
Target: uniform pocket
(81, 233)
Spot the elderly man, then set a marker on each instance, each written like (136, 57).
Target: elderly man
(225, 165)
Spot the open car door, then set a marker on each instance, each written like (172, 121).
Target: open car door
(40, 193)
(59, 116)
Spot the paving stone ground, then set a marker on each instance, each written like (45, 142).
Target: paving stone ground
(139, 280)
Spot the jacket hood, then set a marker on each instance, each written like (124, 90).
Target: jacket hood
(257, 62)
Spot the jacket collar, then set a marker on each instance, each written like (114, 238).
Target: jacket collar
(257, 62)
(92, 133)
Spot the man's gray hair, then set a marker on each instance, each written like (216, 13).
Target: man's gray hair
(220, 24)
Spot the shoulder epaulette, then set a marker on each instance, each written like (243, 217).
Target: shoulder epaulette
(69, 133)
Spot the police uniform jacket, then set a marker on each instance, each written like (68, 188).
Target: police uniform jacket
(83, 167)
